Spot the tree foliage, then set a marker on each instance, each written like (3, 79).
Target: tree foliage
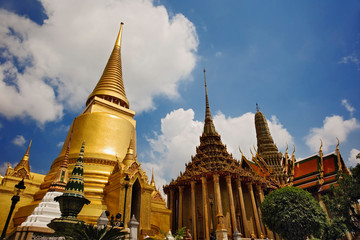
(293, 213)
(342, 200)
(83, 231)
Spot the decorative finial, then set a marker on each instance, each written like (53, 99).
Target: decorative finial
(241, 151)
(251, 153)
(294, 150)
(118, 40)
(321, 144)
(28, 149)
(257, 107)
(337, 146)
(152, 177)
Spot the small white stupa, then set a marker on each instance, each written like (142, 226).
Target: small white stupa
(48, 208)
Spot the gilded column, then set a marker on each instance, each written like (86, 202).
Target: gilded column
(171, 201)
(193, 210)
(261, 194)
(181, 193)
(242, 207)
(256, 215)
(221, 232)
(206, 211)
(232, 205)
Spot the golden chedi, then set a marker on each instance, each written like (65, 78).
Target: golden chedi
(108, 127)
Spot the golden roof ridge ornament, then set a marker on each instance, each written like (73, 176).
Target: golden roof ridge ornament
(110, 86)
(338, 155)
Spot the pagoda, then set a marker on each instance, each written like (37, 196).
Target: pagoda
(214, 185)
(107, 125)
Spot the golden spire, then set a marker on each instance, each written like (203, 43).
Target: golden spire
(111, 86)
(62, 175)
(152, 178)
(23, 168)
(209, 128)
(129, 157)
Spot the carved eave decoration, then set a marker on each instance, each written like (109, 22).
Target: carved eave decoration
(135, 168)
(155, 195)
(21, 173)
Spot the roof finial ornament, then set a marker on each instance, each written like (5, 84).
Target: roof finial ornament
(152, 177)
(257, 107)
(241, 151)
(337, 146)
(321, 144)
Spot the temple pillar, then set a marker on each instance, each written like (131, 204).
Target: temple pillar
(221, 232)
(193, 210)
(256, 215)
(206, 210)
(231, 202)
(261, 195)
(242, 207)
(181, 193)
(171, 203)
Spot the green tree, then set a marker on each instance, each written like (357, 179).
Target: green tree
(342, 200)
(293, 213)
(83, 231)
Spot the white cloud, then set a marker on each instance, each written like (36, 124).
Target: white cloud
(60, 62)
(19, 140)
(348, 107)
(60, 144)
(333, 127)
(352, 157)
(351, 59)
(3, 168)
(173, 146)
(218, 54)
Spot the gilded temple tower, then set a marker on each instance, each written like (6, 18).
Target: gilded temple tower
(215, 196)
(108, 127)
(267, 148)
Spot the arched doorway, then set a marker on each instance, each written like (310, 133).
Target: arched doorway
(136, 200)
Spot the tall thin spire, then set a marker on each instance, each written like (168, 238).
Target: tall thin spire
(209, 128)
(23, 168)
(61, 178)
(111, 86)
(152, 183)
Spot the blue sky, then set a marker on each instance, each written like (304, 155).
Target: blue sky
(299, 60)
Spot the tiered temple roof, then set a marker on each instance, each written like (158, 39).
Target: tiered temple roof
(212, 156)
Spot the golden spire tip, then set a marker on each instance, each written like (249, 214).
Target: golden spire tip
(118, 40)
